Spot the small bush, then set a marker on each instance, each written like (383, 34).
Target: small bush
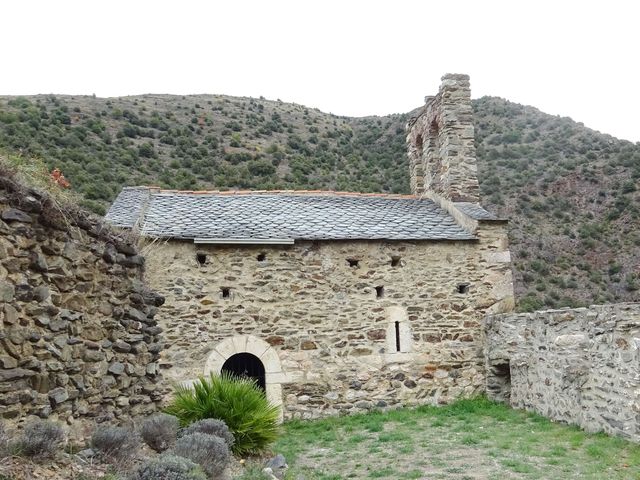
(115, 443)
(160, 431)
(211, 426)
(210, 452)
(169, 467)
(4, 441)
(238, 402)
(41, 438)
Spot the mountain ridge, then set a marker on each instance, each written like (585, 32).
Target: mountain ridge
(569, 191)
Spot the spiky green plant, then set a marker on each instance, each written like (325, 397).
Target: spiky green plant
(238, 402)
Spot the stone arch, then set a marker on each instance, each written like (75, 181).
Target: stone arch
(433, 142)
(274, 376)
(433, 157)
(419, 144)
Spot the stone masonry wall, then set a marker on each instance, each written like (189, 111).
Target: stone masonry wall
(327, 341)
(78, 339)
(441, 146)
(580, 366)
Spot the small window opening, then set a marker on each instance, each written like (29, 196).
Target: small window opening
(201, 258)
(397, 336)
(226, 292)
(395, 261)
(380, 291)
(463, 288)
(261, 257)
(353, 262)
(499, 382)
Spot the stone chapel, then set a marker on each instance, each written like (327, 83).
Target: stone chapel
(334, 302)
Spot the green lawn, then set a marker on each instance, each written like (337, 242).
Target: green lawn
(471, 439)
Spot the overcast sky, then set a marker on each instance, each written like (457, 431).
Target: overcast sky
(573, 58)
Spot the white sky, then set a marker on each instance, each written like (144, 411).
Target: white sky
(574, 58)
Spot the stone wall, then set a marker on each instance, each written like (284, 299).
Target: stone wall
(78, 339)
(580, 366)
(326, 335)
(441, 146)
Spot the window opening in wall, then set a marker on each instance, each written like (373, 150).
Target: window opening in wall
(395, 261)
(226, 292)
(397, 336)
(201, 258)
(433, 146)
(499, 381)
(463, 288)
(419, 143)
(434, 134)
(353, 262)
(379, 291)
(261, 257)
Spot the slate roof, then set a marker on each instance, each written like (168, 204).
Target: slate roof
(475, 211)
(308, 215)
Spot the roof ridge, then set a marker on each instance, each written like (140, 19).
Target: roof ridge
(279, 192)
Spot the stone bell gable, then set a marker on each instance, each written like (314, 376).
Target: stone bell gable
(440, 144)
(335, 302)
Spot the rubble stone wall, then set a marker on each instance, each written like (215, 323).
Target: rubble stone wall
(580, 366)
(78, 339)
(327, 337)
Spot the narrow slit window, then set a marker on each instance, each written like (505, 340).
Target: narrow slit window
(397, 336)
(353, 263)
(262, 257)
(463, 288)
(395, 261)
(201, 258)
(226, 292)
(379, 291)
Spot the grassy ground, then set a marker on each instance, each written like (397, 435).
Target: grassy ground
(471, 439)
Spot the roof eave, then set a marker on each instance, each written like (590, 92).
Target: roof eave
(292, 241)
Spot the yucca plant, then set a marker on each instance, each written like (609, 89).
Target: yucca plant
(238, 402)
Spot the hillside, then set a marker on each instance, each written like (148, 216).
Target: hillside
(570, 192)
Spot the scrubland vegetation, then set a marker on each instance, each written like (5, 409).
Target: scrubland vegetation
(570, 192)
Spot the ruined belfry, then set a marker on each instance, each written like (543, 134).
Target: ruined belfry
(441, 147)
(334, 302)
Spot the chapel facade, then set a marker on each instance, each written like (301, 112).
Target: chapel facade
(335, 302)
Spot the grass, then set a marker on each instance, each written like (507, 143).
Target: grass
(32, 171)
(474, 439)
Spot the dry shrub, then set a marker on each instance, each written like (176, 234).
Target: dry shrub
(40, 438)
(211, 426)
(169, 467)
(211, 453)
(115, 443)
(160, 431)
(4, 441)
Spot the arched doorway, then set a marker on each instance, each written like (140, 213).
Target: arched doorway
(246, 365)
(274, 375)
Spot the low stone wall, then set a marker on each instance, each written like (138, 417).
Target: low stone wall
(78, 337)
(580, 366)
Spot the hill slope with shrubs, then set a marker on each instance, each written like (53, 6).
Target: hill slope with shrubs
(570, 192)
